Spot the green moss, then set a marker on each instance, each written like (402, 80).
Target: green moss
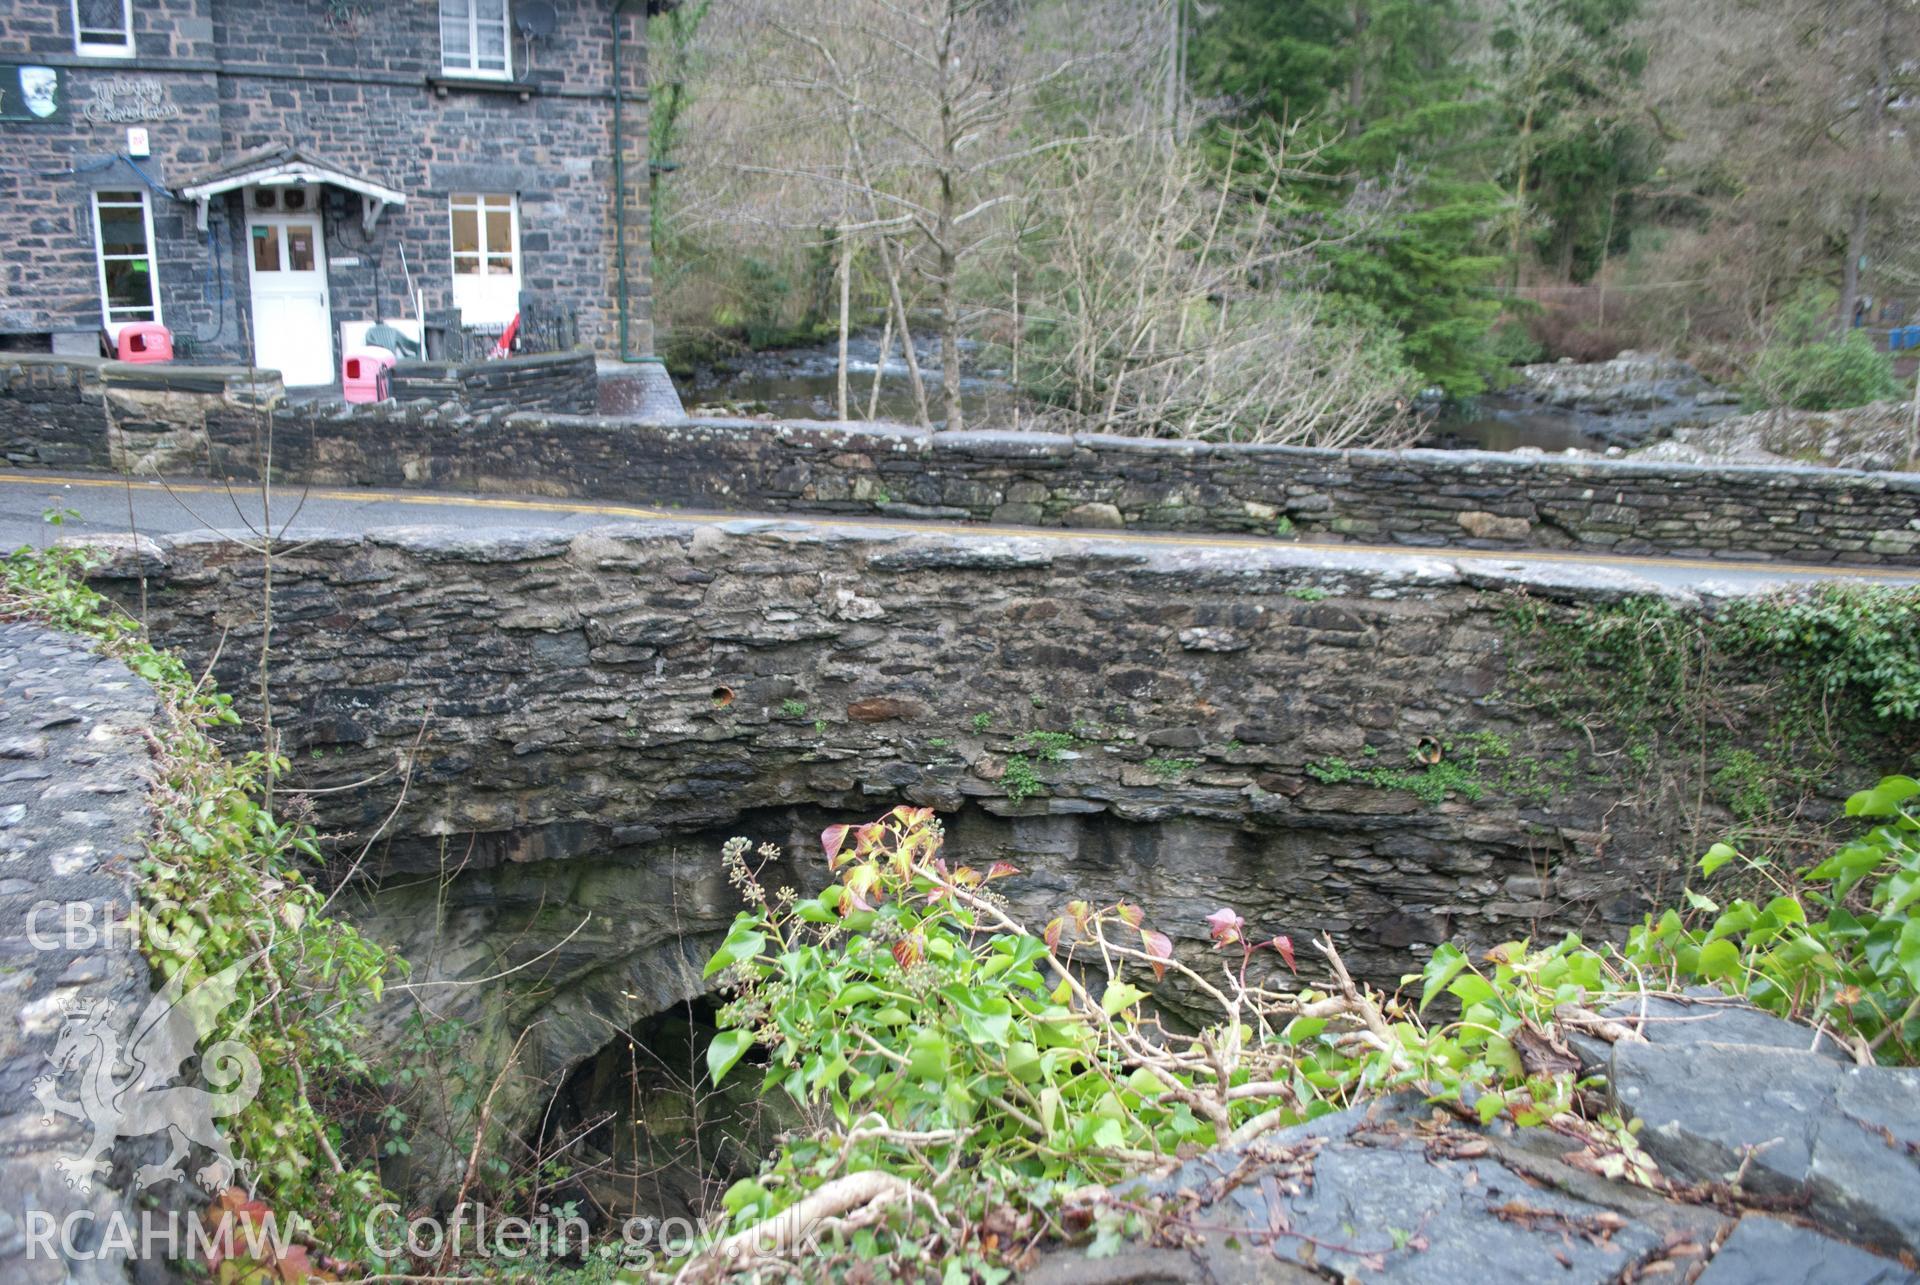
(1458, 772)
(1049, 746)
(1021, 782)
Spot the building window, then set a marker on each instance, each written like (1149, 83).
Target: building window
(475, 39)
(123, 234)
(104, 28)
(486, 259)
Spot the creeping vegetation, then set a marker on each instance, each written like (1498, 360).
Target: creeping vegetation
(1436, 771)
(225, 877)
(973, 1086)
(1749, 709)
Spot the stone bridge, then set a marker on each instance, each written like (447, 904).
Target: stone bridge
(546, 738)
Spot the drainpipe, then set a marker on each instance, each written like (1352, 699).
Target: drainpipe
(620, 177)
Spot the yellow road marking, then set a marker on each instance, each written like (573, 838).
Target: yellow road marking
(1175, 539)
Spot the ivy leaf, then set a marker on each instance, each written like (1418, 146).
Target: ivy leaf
(1718, 960)
(1159, 948)
(1284, 945)
(1908, 952)
(1120, 996)
(1132, 914)
(1052, 936)
(1001, 869)
(1884, 799)
(1719, 854)
(831, 840)
(927, 1056)
(726, 1049)
(1444, 965)
(742, 944)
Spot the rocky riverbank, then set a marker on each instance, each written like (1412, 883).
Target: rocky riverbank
(1624, 402)
(1762, 1155)
(1876, 437)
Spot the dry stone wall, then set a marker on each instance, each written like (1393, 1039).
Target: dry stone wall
(73, 817)
(1416, 498)
(456, 430)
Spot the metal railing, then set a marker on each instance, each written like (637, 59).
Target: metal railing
(541, 329)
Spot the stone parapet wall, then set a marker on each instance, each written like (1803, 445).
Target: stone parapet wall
(92, 413)
(566, 383)
(578, 721)
(462, 432)
(1419, 498)
(73, 821)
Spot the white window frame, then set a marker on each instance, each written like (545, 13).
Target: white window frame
(86, 48)
(471, 68)
(100, 258)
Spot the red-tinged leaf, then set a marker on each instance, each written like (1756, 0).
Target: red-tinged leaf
(906, 952)
(1054, 929)
(853, 901)
(831, 839)
(1080, 911)
(1134, 916)
(294, 1267)
(1159, 948)
(967, 877)
(1284, 944)
(1224, 926)
(1001, 869)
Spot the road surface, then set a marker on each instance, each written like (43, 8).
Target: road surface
(87, 504)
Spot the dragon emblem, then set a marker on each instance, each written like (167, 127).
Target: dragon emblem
(142, 1100)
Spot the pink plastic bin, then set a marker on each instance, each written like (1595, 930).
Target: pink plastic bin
(145, 341)
(363, 375)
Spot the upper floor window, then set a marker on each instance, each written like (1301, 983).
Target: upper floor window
(123, 238)
(103, 28)
(475, 38)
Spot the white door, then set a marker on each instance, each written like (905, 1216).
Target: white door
(486, 258)
(292, 318)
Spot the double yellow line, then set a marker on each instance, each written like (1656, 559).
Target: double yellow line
(502, 504)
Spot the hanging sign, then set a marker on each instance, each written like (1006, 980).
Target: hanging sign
(32, 93)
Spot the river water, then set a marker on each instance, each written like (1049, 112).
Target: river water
(799, 383)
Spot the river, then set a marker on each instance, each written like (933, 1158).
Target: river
(799, 383)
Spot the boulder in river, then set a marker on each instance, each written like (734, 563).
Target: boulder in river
(1631, 382)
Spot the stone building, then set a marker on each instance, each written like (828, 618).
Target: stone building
(268, 177)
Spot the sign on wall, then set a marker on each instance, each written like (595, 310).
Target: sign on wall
(32, 93)
(125, 99)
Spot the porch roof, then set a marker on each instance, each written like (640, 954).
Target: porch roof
(282, 166)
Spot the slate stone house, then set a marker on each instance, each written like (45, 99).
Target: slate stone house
(268, 177)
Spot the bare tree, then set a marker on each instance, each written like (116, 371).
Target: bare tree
(943, 105)
(1792, 120)
(1171, 302)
